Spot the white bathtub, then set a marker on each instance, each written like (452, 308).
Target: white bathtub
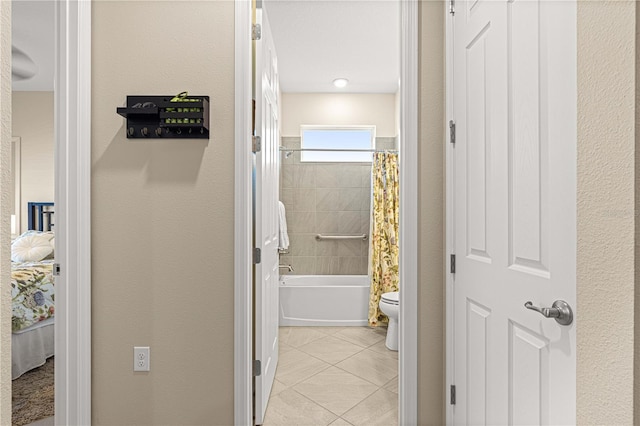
(324, 300)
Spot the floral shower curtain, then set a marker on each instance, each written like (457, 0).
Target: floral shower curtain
(383, 249)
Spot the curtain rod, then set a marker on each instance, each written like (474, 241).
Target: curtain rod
(285, 149)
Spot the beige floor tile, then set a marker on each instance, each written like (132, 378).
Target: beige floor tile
(295, 366)
(392, 386)
(336, 390)
(376, 367)
(362, 336)
(382, 348)
(299, 336)
(291, 356)
(340, 422)
(277, 387)
(331, 349)
(282, 347)
(381, 408)
(290, 408)
(329, 330)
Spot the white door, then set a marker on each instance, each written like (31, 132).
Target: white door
(266, 215)
(513, 209)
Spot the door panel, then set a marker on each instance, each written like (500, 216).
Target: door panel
(266, 218)
(513, 190)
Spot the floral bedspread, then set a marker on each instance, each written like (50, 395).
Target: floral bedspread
(32, 293)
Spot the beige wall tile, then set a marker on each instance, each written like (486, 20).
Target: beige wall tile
(303, 244)
(327, 175)
(328, 265)
(303, 265)
(327, 199)
(348, 223)
(301, 222)
(304, 199)
(326, 222)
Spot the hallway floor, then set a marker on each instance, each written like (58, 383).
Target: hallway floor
(334, 376)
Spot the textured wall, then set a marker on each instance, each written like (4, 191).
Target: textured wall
(378, 109)
(33, 122)
(162, 218)
(605, 212)
(5, 203)
(636, 355)
(431, 298)
(326, 198)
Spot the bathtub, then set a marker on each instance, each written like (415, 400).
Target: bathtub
(324, 300)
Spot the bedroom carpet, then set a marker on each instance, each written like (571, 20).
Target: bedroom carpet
(33, 395)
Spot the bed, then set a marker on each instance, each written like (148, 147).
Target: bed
(32, 292)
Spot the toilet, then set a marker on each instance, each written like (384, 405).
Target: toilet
(389, 307)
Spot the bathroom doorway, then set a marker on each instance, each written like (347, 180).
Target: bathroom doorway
(299, 187)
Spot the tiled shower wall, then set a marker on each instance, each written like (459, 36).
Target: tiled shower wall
(331, 199)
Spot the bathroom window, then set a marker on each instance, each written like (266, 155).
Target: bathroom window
(351, 144)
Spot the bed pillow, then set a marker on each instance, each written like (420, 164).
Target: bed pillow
(31, 248)
(49, 235)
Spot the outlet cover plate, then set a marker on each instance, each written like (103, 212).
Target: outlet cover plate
(141, 358)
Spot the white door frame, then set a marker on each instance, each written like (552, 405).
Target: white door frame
(72, 106)
(449, 215)
(408, 321)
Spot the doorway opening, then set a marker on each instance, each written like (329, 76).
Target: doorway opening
(71, 200)
(33, 213)
(406, 117)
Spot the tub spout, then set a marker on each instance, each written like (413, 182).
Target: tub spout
(289, 267)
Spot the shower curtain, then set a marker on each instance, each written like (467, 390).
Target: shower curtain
(383, 249)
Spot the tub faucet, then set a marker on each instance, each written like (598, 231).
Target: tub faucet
(289, 267)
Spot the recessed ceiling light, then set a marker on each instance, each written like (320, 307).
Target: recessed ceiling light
(340, 82)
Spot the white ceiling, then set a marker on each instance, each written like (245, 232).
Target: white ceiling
(32, 31)
(316, 41)
(319, 41)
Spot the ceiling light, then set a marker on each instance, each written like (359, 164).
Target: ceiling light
(340, 82)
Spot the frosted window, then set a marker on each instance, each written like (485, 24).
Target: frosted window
(350, 140)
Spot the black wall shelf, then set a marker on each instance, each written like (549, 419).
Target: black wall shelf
(158, 117)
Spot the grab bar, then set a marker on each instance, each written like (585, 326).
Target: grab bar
(362, 237)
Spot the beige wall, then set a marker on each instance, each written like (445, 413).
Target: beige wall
(33, 123)
(338, 109)
(605, 212)
(5, 209)
(162, 218)
(431, 297)
(161, 209)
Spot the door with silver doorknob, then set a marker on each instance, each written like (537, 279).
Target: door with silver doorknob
(512, 209)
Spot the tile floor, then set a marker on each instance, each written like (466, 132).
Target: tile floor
(334, 376)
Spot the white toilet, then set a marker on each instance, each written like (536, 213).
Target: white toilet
(389, 307)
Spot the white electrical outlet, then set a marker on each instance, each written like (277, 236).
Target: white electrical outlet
(141, 358)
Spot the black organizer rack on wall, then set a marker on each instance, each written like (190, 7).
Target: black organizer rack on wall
(166, 117)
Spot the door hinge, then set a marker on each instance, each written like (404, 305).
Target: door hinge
(452, 131)
(453, 395)
(257, 368)
(452, 266)
(452, 9)
(256, 144)
(56, 269)
(257, 256)
(256, 32)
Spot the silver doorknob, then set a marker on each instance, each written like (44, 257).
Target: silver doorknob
(560, 310)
